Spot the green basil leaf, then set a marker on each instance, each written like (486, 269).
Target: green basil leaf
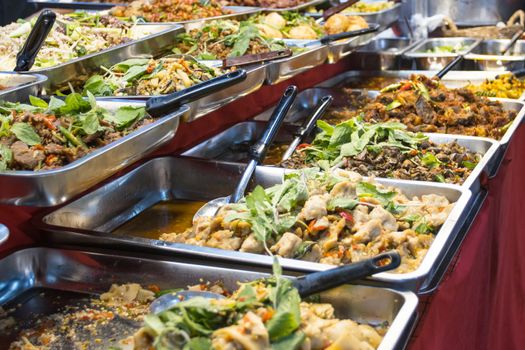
(134, 72)
(98, 86)
(291, 342)
(75, 103)
(125, 116)
(6, 157)
(55, 104)
(132, 62)
(25, 133)
(469, 165)
(198, 343)
(342, 203)
(37, 102)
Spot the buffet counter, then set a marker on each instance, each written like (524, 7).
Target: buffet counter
(478, 304)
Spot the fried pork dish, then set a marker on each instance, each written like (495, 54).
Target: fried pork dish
(169, 10)
(426, 105)
(45, 135)
(73, 36)
(293, 25)
(384, 150)
(262, 314)
(333, 217)
(504, 86)
(277, 4)
(148, 77)
(220, 39)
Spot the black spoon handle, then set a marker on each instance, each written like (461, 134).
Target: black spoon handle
(448, 67)
(160, 106)
(336, 9)
(320, 281)
(26, 57)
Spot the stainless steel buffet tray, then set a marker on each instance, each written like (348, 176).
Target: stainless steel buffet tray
(91, 219)
(436, 61)
(487, 55)
(226, 147)
(34, 279)
(17, 87)
(342, 48)
(69, 71)
(73, 4)
(383, 53)
(53, 187)
(155, 47)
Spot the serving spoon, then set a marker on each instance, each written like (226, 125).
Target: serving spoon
(27, 55)
(308, 126)
(306, 285)
(257, 154)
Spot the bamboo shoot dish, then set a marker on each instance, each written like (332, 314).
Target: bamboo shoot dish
(504, 86)
(41, 135)
(74, 35)
(149, 77)
(426, 105)
(169, 10)
(331, 217)
(384, 150)
(262, 314)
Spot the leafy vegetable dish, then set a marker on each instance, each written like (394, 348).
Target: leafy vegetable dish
(426, 105)
(262, 314)
(148, 77)
(219, 39)
(169, 10)
(45, 135)
(73, 35)
(504, 86)
(332, 217)
(384, 150)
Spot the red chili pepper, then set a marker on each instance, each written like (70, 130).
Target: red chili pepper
(347, 216)
(406, 86)
(49, 124)
(303, 145)
(311, 226)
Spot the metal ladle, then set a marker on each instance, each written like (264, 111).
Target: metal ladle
(306, 285)
(257, 154)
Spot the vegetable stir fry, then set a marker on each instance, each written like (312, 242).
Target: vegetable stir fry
(147, 77)
(426, 105)
(45, 135)
(169, 10)
(505, 86)
(220, 39)
(384, 150)
(73, 35)
(265, 3)
(332, 217)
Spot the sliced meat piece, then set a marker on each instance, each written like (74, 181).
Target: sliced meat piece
(315, 207)
(287, 245)
(368, 232)
(25, 157)
(425, 111)
(387, 219)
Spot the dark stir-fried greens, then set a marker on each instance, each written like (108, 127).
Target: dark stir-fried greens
(43, 135)
(384, 150)
(425, 105)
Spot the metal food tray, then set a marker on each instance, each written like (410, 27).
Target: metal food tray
(17, 87)
(302, 6)
(69, 71)
(222, 146)
(91, 219)
(31, 274)
(454, 78)
(384, 18)
(342, 48)
(156, 47)
(53, 187)
(383, 53)
(236, 11)
(487, 55)
(436, 61)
